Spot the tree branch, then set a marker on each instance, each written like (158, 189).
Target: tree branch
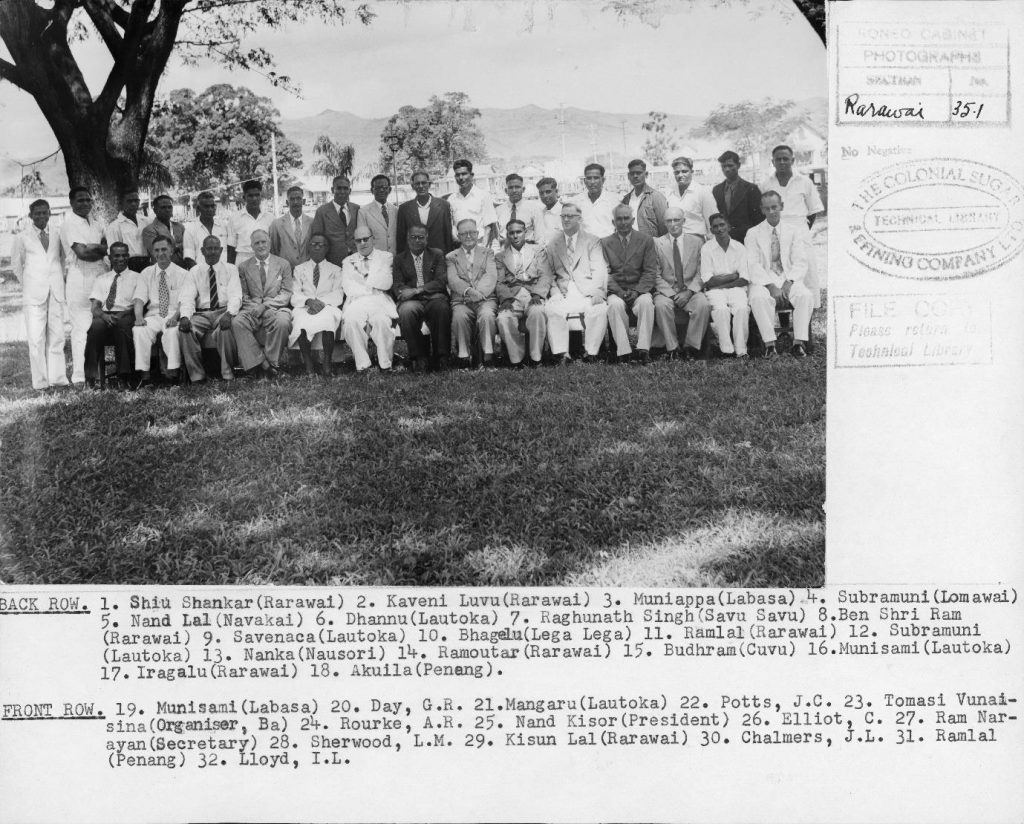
(99, 14)
(11, 73)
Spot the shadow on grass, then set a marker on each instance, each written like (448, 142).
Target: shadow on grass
(683, 474)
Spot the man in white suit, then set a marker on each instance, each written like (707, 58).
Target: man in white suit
(574, 261)
(381, 217)
(157, 302)
(84, 247)
(472, 278)
(38, 263)
(521, 291)
(777, 255)
(366, 278)
(316, 297)
(290, 233)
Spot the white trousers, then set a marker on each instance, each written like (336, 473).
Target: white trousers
(618, 322)
(763, 306)
(730, 304)
(77, 291)
(44, 325)
(375, 312)
(145, 337)
(595, 318)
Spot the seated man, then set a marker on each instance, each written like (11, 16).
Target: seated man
(266, 294)
(157, 299)
(632, 272)
(420, 287)
(112, 316)
(366, 280)
(317, 298)
(777, 254)
(522, 291)
(210, 300)
(472, 278)
(573, 260)
(723, 275)
(678, 287)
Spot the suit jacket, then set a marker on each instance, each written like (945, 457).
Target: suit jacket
(746, 207)
(528, 275)
(439, 225)
(435, 273)
(586, 267)
(359, 280)
(277, 294)
(176, 234)
(794, 252)
(634, 268)
(282, 239)
(667, 283)
(327, 222)
(482, 275)
(384, 234)
(650, 212)
(41, 271)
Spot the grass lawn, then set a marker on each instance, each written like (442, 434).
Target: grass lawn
(699, 474)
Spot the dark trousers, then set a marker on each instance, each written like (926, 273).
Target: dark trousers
(119, 336)
(437, 312)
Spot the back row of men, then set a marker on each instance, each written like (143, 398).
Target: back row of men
(551, 270)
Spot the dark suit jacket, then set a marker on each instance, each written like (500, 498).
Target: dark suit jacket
(746, 207)
(633, 269)
(435, 273)
(439, 225)
(327, 222)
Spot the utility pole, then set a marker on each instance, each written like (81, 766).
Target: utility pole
(624, 149)
(273, 167)
(593, 141)
(561, 126)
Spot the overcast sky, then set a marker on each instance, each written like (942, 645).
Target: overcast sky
(577, 54)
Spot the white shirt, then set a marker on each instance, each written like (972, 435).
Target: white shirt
(698, 205)
(329, 289)
(85, 230)
(714, 260)
(424, 210)
(800, 196)
(195, 291)
(476, 206)
(597, 214)
(346, 208)
(527, 211)
(549, 222)
(240, 229)
(123, 230)
(364, 277)
(125, 294)
(148, 289)
(196, 233)
(634, 204)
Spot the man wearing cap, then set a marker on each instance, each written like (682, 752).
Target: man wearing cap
(366, 278)
(317, 299)
(738, 199)
(210, 299)
(420, 288)
(522, 290)
(266, 297)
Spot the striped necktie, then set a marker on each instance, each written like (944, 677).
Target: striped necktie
(213, 289)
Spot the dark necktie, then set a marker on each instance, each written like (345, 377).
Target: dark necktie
(316, 275)
(44, 238)
(342, 218)
(109, 303)
(677, 261)
(213, 289)
(513, 216)
(384, 213)
(263, 275)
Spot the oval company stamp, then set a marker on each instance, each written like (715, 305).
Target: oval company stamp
(937, 219)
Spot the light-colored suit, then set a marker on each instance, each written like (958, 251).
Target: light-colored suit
(669, 284)
(147, 293)
(41, 272)
(794, 253)
(366, 282)
(580, 277)
(481, 275)
(520, 282)
(265, 313)
(283, 242)
(327, 290)
(385, 234)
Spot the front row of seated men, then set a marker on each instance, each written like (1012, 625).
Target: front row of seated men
(525, 293)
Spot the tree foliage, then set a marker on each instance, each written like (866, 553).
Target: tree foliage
(333, 159)
(661, 141)
(750, 127)
(219, 137)
(432, 137)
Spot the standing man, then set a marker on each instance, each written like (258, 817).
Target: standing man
(111, 317)
(127, 228)
(242, 224)
(204, 226)
(420, 287)
(573, 260)
(164, 226)
(472, 278)
(724, 276)
(549, 218)
(266, 295)
(679, 294)
(37, 262)
(81, 238)
(289, 234)
(380, 216)
(596, 205)
(337, 221)
(157, 304)
(632, 273)
(210, 300)
(472, 203)
(694, 199)
(366, 278)
(428, 211)
(647, 203)
(737, 199)
(777, 254)
(522, 291)
(515, 208)
(317, 299)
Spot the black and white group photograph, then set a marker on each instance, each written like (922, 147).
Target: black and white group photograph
(422, 292)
